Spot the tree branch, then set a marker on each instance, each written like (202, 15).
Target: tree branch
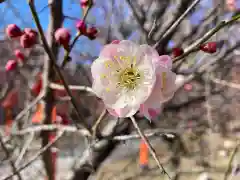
(56, 20)
(14, 169)
(172, 28)
(56, 68)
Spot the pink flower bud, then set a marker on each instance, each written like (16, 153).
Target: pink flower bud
(177, 52)
(92, 33)
(31, 32)
(210, 47)
(115, 42)
(27, 41)
(37, 87)
(11, 65)
(81, 26)
(13, 31)
(86, 3)
(63, 36)
(19, 54)
(188, 87)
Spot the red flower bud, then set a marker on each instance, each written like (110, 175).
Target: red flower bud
(86, 3)
(36, 87)
(64, 118)
(13, 31)
(210, 47)
(28, 40)
(115, 42)
(32, 33)
(11, 99)
(81, 26)
(11, 65)
(63, 36)
(92, 33)
(19, 55)
(177, 52)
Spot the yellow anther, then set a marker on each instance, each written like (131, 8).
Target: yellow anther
(134, 61)
(103, 76)
(164, 78)
(108, 64)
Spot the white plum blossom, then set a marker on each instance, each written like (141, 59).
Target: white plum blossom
(130, 77)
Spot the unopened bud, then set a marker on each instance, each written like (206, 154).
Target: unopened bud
(81, 26)
(11, 65)
(86, 3)
(36, 87)
(210, 47)
(13, 31)
(92, 33)
(19, 55)
(63, 36)
(177, 52)
(28, 40)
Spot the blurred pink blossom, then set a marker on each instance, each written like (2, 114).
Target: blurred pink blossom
(231, 5)
(188, 87)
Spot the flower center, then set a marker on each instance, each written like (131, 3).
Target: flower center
(129, 78)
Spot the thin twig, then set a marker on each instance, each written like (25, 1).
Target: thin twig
(194, 47)
(56, 68)
(230, 162)
(44, 8)
(14, 169)
(71, 87)
(138, 19)
(98, 121)
(177, 22)
(30, 106)
(150, 147)
(49, 127)
(83, 132)
(154, 25)
(25, 148)
(67, 52)
(34, 158)
(225, 83)
(147, 134)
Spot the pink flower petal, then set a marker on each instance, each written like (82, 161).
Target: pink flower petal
(146, 53)
(150, 113)
(159, 93)
(109, 51)
(115, 42)
(117, 52)
(113, 112)
(164, 61)
(123, 112)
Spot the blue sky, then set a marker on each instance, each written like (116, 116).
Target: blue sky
(18, 12)
(22, 7)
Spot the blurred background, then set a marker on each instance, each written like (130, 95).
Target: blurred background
(203, 116)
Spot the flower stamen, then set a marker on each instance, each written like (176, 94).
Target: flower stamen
(129, 78)
(164, 74)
